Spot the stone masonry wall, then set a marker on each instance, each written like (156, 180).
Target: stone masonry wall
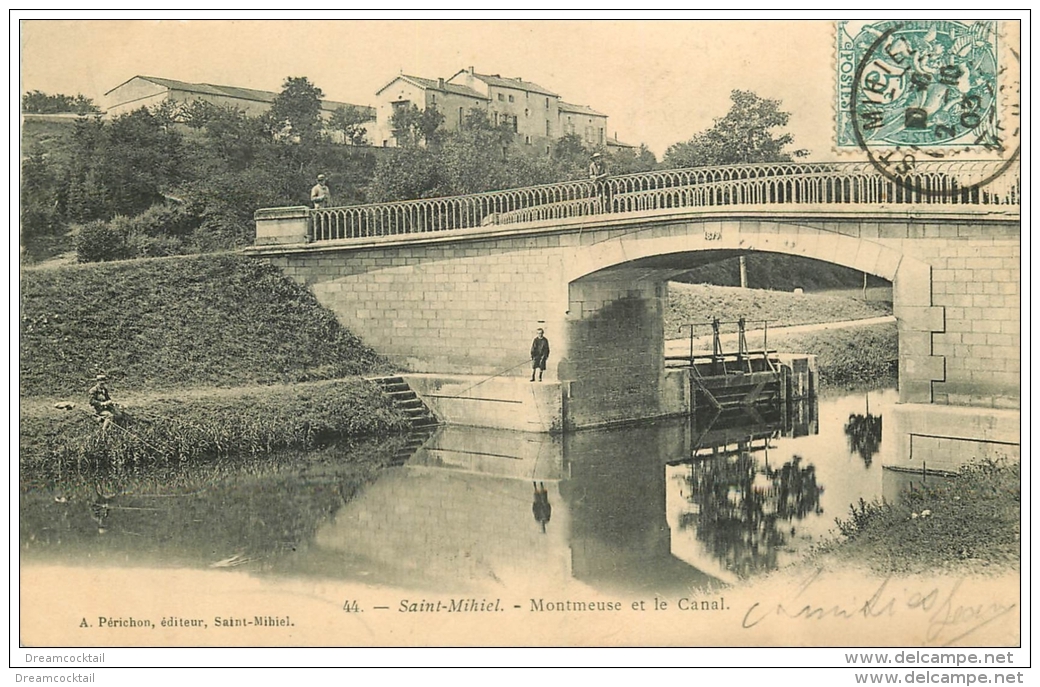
(465, 308)
(471, 306)
(615, 363)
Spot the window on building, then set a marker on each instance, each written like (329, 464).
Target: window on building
(547, 103)
(527, 112)
(601, 135)
(501, 96)
(433, 98)
(548, 128)
(510, 98)
(527, 140)
(461, 118)
(547, 152)
(516, 128)
(494, 118)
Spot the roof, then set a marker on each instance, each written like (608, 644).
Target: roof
(580, 109)
(435, 85)
(517, 83)
(614, 143)
(236, 92)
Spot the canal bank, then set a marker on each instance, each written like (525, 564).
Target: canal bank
(672, 506)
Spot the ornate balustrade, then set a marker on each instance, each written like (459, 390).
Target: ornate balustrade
(824, 183)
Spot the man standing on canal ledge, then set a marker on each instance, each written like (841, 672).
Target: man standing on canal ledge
(539, 354)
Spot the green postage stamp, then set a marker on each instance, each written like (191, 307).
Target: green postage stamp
(927, 84)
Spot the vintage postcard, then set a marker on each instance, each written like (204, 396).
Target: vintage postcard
(352, 332)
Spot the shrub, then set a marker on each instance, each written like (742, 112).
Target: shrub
(99, 241)
(971, 518)
(164, 220)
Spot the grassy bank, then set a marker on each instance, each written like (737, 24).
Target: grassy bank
(858, 357)
(699, 303)
(170, 430)
(218, 320)
(968, 521)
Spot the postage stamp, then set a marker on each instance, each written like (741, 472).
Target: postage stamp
(913, 91)
(925, 83)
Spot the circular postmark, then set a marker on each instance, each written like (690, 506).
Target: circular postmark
(925, 92)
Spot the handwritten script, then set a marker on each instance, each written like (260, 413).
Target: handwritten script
(949, 613)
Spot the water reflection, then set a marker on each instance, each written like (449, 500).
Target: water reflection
(864, 435)
(662, 507)
(541, 508)
(742, 510)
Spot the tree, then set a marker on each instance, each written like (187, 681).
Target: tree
(296, 111)
(38, 102)
(350, 119)
(633, 160)
(412, 126)
(743, 136)
(121, 166)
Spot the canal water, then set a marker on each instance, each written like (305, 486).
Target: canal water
(664, 506)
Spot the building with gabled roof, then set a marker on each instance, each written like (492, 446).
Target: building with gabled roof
(585, 122)
(149, 91)
(404, 90)
(536, 114)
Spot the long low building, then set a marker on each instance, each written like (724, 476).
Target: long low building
(149, 91)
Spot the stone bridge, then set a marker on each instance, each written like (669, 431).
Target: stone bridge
(457, 286)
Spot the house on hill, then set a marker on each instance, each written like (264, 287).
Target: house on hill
(451, 100)
(149, 91)
(536, 114)
(583, 121)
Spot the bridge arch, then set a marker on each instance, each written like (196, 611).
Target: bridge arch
(613, 348)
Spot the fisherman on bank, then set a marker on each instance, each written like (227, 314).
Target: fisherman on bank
(539, 354)
(102, 403)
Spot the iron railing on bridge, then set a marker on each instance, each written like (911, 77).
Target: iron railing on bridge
(930, 182)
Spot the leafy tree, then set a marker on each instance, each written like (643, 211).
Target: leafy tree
(479, 157)
(571, 149)
(296, 111)
(412, 126)
(743, 136)
(633, 160)
(38, 102)
(350, 120)
(122, 166)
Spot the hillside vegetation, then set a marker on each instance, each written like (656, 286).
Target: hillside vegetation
(213, 320)
(856, 358)
(699, 303)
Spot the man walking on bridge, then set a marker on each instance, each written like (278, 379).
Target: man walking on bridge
(539, 354)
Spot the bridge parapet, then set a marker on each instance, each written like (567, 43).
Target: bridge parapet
(784, 184)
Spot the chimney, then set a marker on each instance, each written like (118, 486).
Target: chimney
(440, 83)
(469, 69)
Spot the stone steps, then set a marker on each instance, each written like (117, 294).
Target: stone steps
(405, 400)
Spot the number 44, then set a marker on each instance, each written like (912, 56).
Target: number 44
(350, 606)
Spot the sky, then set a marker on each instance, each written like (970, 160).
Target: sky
(660, 82)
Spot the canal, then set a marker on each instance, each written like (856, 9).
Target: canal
(665, 506)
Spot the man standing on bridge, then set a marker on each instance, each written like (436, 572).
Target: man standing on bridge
(539, 354)
(320, 196)
(598, 177)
